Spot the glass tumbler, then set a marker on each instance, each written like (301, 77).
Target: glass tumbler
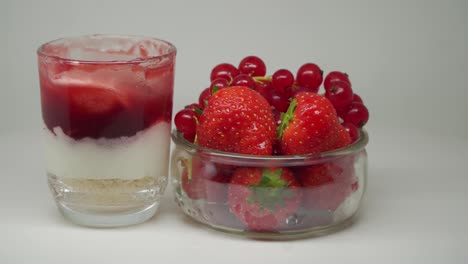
(106, 108)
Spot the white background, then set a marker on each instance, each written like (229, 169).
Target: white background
(407, 59)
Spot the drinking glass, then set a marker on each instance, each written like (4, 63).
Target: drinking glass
(106, 108)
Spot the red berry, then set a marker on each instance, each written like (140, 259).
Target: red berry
(253, 66)
(224, 70)
(195, 107)
(186, 122)
(278, 100)
(298, 89)
(264, 89)
(356, 114)
(190, 137)
(238, 120)
(339, 94)
(95, 101)
(193, 177)
(309, 75)
(357, 99)
(352, 131)
(220, 83)
(204, 97)
(311, 126)
(217, 185)
(335, 76)
(264, 198)
(243, 80)
(327, 185)
(282, 79)
(277, 116)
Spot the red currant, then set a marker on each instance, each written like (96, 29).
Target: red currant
(335, 76)
(282, 79)
(253, 66)
(310, 76)
(224, 70)
(190, 137)
(220, 83)
(276, 148)
(352, 131)
(194, 107)
(186, 121)
(279, 101)
(277, 116)
(243, 80)
(339, 94)
(297, 90)
(263, 88)
(356, 114)
(204, 97)
(357, 99)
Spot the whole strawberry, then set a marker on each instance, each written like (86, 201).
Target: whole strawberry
(311, 126)
(237, 119)
(327, 185)
(202, 179)
(194, 173)
(263, 199)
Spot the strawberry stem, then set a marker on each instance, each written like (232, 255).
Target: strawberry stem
(286, 118)
(271, 191)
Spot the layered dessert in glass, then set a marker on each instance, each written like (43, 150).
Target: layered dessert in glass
(106, 107)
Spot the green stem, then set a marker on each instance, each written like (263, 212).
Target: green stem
(262, 78)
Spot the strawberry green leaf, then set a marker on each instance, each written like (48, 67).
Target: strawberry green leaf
(286, 118)
(271, 191)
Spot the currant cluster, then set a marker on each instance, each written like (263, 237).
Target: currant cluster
(279, 89)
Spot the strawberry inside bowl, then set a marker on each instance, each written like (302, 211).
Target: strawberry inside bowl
(269, 196)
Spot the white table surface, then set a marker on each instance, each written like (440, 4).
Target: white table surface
(414, 212)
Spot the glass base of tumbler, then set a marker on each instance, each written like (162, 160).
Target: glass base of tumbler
(107, 202)
(91, 219)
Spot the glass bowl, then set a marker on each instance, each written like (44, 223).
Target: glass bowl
(323, 196)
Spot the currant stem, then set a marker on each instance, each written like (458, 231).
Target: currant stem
(262, 78)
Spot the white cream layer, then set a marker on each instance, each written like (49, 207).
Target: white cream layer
(145, 154)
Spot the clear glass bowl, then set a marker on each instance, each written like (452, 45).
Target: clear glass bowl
(328, 195)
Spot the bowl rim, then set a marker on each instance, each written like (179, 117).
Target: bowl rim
(221, 156)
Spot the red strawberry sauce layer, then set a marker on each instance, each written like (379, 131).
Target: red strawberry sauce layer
(108, 106)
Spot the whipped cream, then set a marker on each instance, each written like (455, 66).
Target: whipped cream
(145, 154)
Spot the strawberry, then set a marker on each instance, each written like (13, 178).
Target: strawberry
(96, 101)
(192, 183)
(202, 179)
(220, 214)
(311, 126)
(216, 187)
(263, 199)
(327, 185)
(237, 120)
